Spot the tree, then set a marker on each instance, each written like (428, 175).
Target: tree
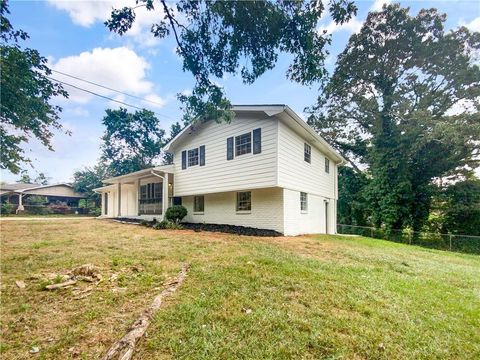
(89, 178)
(41, 178)
(26, 92)
(25, 177)
(404, 101)
(132, 141)
(215, 37)
(461, 209)
(174, 131)
(352, 207)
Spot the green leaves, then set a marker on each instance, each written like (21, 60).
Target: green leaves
(215, 38)
(25, 108)
(132, 141)
(404, 102)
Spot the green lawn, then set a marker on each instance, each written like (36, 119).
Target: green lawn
(314, 297)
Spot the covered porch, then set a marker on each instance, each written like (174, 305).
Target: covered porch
(142, 194)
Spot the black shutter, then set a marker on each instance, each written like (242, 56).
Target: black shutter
(184, 159)
(202, 155)
(257, 141)
(230, 148)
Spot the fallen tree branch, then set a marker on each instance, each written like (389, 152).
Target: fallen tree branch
(61, 285)
(123, 349)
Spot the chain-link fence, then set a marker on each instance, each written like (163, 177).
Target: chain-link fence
(460, 243)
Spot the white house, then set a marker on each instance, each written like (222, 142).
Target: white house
(266, 169)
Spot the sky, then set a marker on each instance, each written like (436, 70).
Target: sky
(71, 34)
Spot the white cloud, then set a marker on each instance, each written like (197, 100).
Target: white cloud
(378, 4)
(153, 100)
(352, 26)
(118, 68)
(87, 13)
(473, 25)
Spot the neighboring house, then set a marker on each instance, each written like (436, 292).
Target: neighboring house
(16, 193)
(266, 169)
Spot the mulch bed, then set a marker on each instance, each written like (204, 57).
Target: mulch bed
(223, 228)
(231, 229)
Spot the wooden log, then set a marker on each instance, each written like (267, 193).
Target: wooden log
(61, 285)
(123, 349)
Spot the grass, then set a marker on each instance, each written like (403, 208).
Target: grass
(311, 297)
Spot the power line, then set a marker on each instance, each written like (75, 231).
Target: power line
(105, 97)
(106, 87)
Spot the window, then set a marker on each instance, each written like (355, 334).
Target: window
(307, 153)
(151, 191)
(198, 204)
(327, 165)
(244, 201)
(303, 202)
(243, 144)
(193, 157)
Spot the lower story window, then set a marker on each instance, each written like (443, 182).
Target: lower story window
(244, 201)
(198, 204)
(303, 202)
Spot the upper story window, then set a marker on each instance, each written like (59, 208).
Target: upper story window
(250, 142)
(327, 165)
(243, 144)
(307, 153)
(244, 201)
(193, 157)
(198, 204)
(303, 202)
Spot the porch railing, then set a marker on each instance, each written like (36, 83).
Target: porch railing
(150, 206)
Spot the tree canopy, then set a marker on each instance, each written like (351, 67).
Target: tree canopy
(215, 38)
(26, 93)
(404, 102)
(132, 141)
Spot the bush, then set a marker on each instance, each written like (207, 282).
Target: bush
(165, 224)
(95, 211)
(176, 213)
(6, 209)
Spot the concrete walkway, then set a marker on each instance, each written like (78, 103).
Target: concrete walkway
(46, 218)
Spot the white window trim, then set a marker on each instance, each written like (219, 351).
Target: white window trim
(242, 212)
(198, 212)
(310, 146)
(306, 202)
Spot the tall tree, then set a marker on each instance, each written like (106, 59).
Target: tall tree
(404, 100)
(225, 37)
(25, 96)
(461, 208)
(89, 178)
(132, 141)
(174, 131)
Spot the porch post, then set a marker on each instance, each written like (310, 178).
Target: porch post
(165, 194)
(20, 205)
(137, 201)
(119, 197)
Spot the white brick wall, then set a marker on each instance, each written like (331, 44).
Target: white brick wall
(311, 222)
(220, 208)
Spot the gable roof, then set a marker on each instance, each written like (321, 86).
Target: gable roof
(22, 188)
(282, 112)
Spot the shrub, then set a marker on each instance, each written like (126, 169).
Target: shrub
(6, 208)
(176, 213)
(95, 211)
(165, 224)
